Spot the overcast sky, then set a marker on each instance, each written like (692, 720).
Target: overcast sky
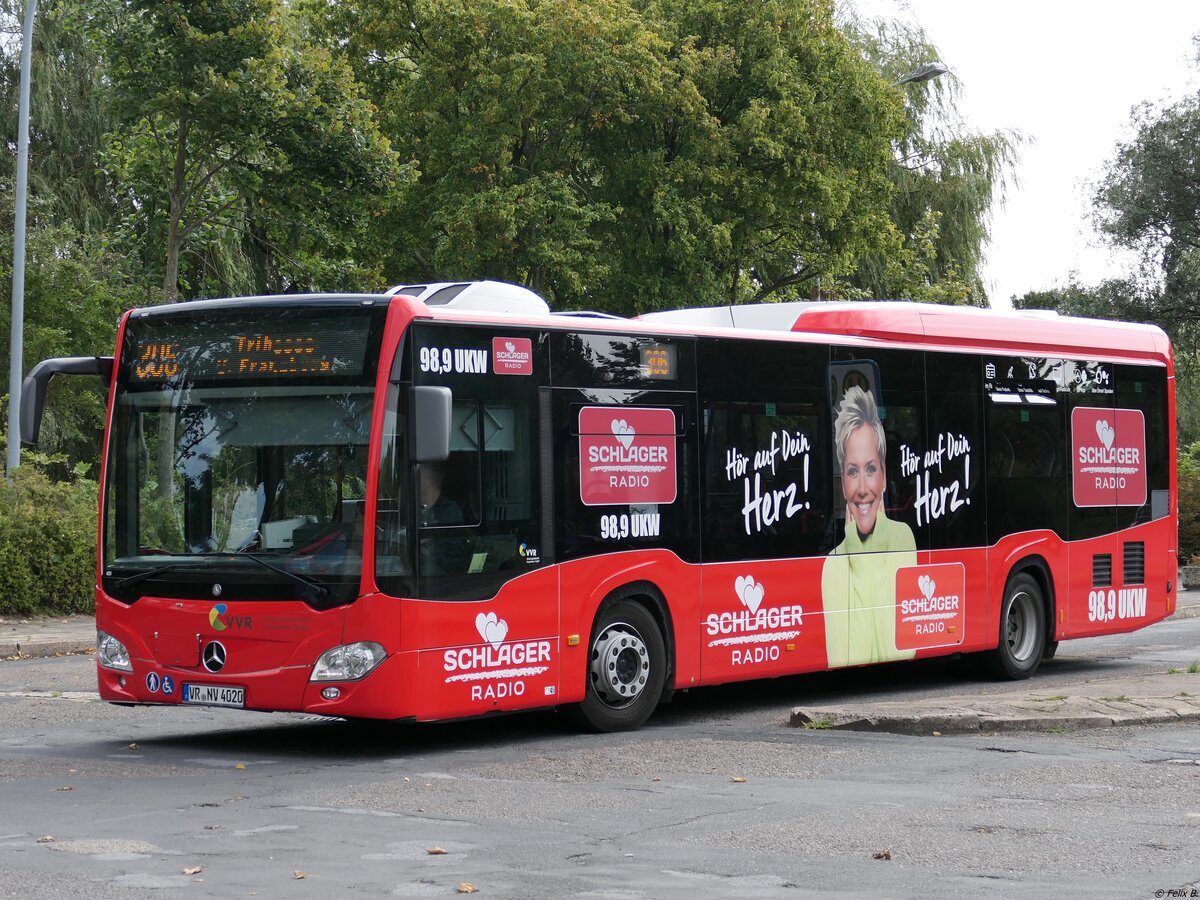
(1065, 73)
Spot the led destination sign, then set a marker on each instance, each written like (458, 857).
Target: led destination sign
(213, 350)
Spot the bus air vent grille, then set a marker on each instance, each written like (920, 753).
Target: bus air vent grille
(1102, 570)
(1134, 570)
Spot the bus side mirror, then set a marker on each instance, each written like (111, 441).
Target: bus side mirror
(33, 388)
(429, 423)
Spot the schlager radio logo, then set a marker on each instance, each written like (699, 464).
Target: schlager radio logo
(512, 356)
(626, 456)
(497, 668)
(930, 611)
(1109, 457)
(754, 630)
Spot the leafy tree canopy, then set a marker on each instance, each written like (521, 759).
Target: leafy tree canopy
(218, 105)
(946, 180)
(627, 154)
(1148, 200)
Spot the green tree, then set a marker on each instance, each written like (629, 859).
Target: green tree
(219, 105)
(1136, 299)
(778, 183)
(946, 178)
(1148, 200)
(626, 154)
(500, 106)
(76, 280)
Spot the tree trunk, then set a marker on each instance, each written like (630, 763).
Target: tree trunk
(175, 193)
(177, 202)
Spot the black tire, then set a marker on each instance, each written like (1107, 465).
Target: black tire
(627, 666)
(1022, 629)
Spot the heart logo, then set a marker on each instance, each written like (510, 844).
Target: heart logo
(1106, 433)
(927, 586)
(492, 629)
(749, 592)
(623, 431)
(510, 347)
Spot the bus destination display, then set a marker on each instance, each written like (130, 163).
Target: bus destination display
(658, 360)
(200, 351)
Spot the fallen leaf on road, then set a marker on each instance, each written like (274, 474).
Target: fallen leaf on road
(467, 888)
(937, 734)
(434, 851)
(47, 839)
(134, 746)
(884, 854)
(240, 766)
(211, 827)
(193, 870)
(297, 875)
(65, 788)
(738, 779)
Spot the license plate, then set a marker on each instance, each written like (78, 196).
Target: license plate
(214, 695)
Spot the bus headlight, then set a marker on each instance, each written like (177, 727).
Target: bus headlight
(111, 653)
(349, 662)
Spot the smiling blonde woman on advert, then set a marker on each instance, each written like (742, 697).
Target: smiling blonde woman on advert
(858, 580)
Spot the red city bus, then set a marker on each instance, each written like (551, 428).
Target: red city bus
(372, 506)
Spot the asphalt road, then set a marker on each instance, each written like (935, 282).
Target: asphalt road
(715, 797)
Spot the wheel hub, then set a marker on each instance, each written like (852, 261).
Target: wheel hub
(1021, 630)
(620, 665)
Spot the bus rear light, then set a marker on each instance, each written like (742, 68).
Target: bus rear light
(111, 653)
(349, 662)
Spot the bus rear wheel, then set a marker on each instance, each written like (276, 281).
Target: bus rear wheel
(1022, 629)
(626, 668)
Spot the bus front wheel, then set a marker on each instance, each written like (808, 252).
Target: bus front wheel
(1022, 629)
(627, 665)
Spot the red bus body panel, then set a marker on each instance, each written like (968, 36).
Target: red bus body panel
(527, 646)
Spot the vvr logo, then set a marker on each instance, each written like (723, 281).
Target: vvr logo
(219, 618)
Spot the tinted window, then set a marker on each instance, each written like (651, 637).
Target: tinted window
(767, 490)
(579, 359)
(463, 527)
(1144, 388)
(953, 500)
(627, 472)
(895, 380)
(1028, 483)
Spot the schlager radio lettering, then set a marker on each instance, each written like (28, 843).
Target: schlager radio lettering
(930, 610)
(626, 456)
(496, 670)
(754, 631)
(1109, 457)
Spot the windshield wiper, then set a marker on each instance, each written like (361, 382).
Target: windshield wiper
(321, 588)
(131, 580)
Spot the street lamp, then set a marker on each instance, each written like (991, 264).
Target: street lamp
(926, 72)
(17, 338)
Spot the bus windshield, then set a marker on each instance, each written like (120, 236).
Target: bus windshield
(238, 458)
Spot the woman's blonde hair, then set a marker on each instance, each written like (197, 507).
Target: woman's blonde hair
(857, 408)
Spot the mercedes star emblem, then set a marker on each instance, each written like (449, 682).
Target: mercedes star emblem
(214, 656)
(216, 590)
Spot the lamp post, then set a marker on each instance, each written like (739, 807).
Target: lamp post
(923, 73)
(17, 338)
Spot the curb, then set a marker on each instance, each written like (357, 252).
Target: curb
(972, 722)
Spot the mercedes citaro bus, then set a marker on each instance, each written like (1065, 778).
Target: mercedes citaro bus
(374, 506)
